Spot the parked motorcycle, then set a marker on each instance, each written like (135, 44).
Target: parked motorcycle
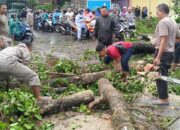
(90, 26)
(23, 33)
(46, 25)
(124, 29)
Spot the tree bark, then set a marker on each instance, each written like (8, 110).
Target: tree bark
(64, 103)
(87, 78)
(84, 79)
(121, 116)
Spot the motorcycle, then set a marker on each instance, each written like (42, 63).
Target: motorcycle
(23, 33)
(64, 27)
(57, 25)
(90, 26)
(46, 25)
(124, 30)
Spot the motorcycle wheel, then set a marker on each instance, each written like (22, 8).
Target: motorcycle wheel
(51, 29)
(29, 39)
(57, 28)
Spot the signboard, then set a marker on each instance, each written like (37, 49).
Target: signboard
(94, 4)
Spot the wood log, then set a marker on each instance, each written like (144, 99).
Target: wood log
(84, 79)
(96, 102)
(64, 103)
(87, 78)
(57, 74)
(121, 117)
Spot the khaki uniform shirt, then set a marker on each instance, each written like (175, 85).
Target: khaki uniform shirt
(4, 25)
(166, 27)
(19, 53)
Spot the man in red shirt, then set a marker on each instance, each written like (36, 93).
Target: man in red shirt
(120, 52)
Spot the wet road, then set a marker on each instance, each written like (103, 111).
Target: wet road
(61, 46)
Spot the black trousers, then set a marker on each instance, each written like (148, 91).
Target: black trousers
(165, 64)
(107, 43)
(177, 53)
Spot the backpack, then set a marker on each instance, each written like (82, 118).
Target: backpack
(121, 48)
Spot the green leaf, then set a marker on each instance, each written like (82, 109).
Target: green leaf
(39, 117)
(28, 126)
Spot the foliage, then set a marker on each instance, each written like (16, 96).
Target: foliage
(39, 66)
(89, 55)
(131, 88)
(60, 82)
(99, 67)
(72, 88)
(32, 3)
(66, 66)
(48, 7)
(18, 110)
(83, 109)
(175, 88)
(145, 26)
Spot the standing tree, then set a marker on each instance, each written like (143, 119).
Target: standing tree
(32, 3)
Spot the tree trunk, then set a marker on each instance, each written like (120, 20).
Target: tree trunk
(64, 103)
(87, 78)
(121, 116)
(84, 79)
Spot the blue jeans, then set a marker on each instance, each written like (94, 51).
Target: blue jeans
(124, 60)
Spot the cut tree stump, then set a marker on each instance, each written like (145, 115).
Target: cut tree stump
(121, 117)
(65, 103)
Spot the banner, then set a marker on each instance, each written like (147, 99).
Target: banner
(94, 4)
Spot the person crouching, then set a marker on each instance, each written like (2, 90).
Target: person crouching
(120, 53)
(13, 61)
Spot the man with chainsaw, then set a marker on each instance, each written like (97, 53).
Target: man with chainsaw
(165, 34)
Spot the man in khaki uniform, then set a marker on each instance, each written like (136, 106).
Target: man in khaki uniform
(4, 29)
(165, 36)
(12, 63)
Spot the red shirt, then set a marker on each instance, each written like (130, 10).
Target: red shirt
(113, 51)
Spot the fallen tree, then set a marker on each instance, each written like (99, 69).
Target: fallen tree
(65, 103)
(87, 78)
(121, 116)
(84, 79)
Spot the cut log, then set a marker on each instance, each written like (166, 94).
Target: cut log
(64, 103)
(56, 74)
(96, 102)
(121, 117)
(87, 78)
(84, 79)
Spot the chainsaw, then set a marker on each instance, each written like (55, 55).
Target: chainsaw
(155, 75)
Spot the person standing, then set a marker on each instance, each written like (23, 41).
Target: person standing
(4, 28)
(165, 35)
(79, 20)
(12, 26)
(29, 18)
(104, 27)
(130, 17)
(3, 20)
(144, 12)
